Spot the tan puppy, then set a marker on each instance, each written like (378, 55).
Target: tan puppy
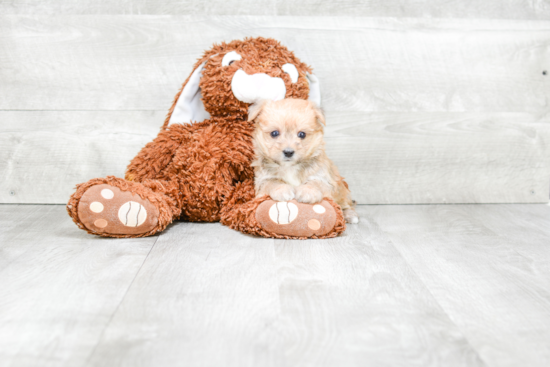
(291, 162)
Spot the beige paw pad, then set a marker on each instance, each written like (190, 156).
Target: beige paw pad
(283, 212)
(101, 223)
(314, 224)
(96, 207)
(319, 209)
(296, 219)
(132, 214)
(105, 208)
(107, 194)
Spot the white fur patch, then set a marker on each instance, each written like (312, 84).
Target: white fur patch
(290, 176)
(291, 70)
(253, 88)
(321, 176)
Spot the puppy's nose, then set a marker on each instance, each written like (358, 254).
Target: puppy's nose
(288, 153)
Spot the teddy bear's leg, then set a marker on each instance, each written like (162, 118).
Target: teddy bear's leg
(267, 218)
(114, 207)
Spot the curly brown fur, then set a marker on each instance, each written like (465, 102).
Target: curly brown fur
(197, 171)
(258, 55)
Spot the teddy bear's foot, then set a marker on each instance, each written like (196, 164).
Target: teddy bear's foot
(107, 210)
(291, 218)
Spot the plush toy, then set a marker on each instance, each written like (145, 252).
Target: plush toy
(198, 168)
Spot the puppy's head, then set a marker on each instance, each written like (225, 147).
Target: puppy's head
(288, 131)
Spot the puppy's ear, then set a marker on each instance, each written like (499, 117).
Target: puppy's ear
(319, 114)
(255, 109)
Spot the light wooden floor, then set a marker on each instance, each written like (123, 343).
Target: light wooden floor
(433, 285)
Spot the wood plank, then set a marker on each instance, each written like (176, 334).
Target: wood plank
(226, 299)
(207, 295)
(491, 9)
(44, 154)
(487, 266)
(229, 299)
(354, 301)
(462, 285)
(412, 158)
(110, 62)
(60, 286)
(389, 157)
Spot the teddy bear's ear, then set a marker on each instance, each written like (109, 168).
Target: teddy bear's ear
(189, 106)
(314, 90)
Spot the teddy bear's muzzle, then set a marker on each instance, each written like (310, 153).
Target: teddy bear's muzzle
(255, 87)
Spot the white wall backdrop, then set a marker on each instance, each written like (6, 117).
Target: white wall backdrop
(427, 101)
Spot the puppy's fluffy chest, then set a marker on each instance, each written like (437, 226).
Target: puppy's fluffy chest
(294, 175)
(291, 175)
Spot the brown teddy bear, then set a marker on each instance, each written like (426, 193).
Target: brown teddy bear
(199, 166)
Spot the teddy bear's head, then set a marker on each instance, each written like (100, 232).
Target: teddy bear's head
(231, 76)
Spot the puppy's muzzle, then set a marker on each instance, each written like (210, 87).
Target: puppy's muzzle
(288, 153)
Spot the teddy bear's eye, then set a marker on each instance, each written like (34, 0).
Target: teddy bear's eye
(230, 58)
(291, 70)
(302, 135)
(274, 134)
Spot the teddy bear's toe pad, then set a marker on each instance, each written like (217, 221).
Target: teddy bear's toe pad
(291, 218)
(107, 209)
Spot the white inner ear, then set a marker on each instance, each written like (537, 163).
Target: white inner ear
(189, 107)
(314, 90)
(230, 56)
(291, 70)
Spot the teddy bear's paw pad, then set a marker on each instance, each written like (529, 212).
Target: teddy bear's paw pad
(291, 218)
(107, 209)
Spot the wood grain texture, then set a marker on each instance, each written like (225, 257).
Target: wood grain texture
(60, 286)
(400, 158)
(390, 157)
(452, 285)
(491, 9)
(353, 301)
(207, 296)
(110, 62)
(44, 154)
(210, 296)
(487, 266)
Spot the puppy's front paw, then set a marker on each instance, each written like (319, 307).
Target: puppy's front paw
(351, 216)
(282, 193)
(308, 195)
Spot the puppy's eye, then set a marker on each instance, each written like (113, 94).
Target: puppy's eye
(274, 134)
(230, 58)
(302, 135)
